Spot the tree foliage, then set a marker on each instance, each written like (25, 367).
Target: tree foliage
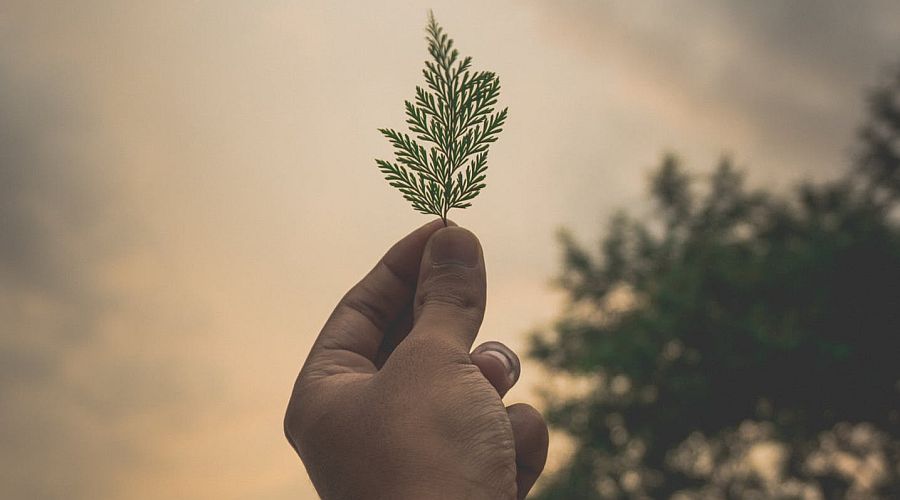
(738, 323)
(455, 115)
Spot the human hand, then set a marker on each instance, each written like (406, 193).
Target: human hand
(391, 404)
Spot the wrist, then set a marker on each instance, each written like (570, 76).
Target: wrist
(436, 489)
(443, 493)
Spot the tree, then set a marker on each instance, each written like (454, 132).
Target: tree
(740, 344)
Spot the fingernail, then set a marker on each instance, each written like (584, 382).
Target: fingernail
(454, 245)
(507, 357)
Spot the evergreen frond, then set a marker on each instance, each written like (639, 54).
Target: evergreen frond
(442, 163)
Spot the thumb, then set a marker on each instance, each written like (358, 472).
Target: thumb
(451, 291)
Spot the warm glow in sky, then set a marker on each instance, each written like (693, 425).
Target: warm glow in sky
(187, 188)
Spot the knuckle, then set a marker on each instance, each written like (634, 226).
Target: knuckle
(418, 353)
(362, 300)
(300, 415)
(291, 426)
(453, 290)
(301, 426)
(448, 298)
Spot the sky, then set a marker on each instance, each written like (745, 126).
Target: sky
(187, 189)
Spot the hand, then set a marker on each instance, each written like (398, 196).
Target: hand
(391, 404)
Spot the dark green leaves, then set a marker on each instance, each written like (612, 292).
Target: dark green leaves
(455, 119)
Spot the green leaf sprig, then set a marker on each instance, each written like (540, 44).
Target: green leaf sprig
(456, 116)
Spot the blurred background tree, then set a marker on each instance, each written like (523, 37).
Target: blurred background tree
(741, 343)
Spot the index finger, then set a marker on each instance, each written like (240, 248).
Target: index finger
(350, 339)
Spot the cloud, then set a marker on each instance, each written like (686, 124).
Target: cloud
(779, 83)
(77, 367)
(169, 236)
(47, 304)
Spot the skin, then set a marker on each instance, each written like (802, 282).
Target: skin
(392, 403)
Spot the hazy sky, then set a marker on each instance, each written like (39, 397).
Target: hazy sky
(187, 188)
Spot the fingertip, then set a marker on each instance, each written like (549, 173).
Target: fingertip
(531, 425)
(499, 364)
(405, 256)
(494, 371)
(532, 439)
(454, 245)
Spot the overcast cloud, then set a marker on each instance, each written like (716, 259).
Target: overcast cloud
(186, 189)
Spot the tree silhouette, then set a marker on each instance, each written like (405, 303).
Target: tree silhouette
(741, 344)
